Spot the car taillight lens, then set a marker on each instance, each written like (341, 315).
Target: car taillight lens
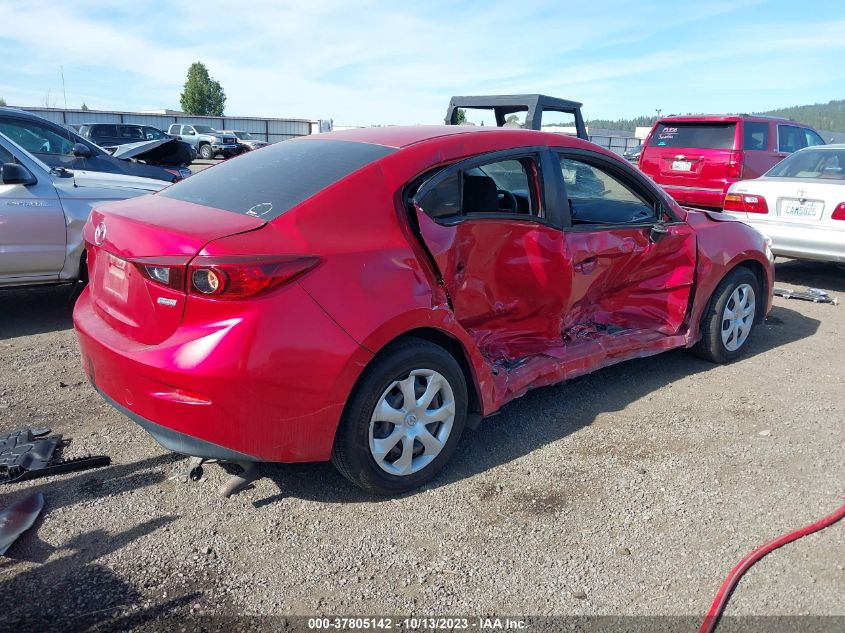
(165, 271)
(839, 212)
(238, 277)
(746, 203)
(735, 165)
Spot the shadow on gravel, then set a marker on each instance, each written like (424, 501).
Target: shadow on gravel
(35, 311)
(73, 593)
(825, 275)
(82, 487)
(542, 416)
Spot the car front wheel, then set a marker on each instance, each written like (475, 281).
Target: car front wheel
(206, 152)
(729, 321)
(404, 419)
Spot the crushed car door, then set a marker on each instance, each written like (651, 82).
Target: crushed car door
(633, 263)
(500, 258)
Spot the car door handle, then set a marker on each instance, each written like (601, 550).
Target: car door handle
(585, 266)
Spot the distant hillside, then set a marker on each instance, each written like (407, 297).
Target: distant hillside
(822, 116)
(829, 117)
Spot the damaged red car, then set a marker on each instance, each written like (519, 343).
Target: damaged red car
(363, 296)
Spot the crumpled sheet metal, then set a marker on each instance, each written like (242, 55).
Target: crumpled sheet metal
(18, 518)
(544, 305)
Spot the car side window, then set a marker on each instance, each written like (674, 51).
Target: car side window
(131, 132)
(755, 135)
(104, 131)
(596, 196)
(812, 138)
(791, 138)
(504, 186)
(151, 133)
(6, 156)
(36, 138)
(187, 129)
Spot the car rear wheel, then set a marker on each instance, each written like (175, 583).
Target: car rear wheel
(404, 419)
(729, 321)
(206, 152)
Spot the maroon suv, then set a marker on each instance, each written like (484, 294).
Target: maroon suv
(696, 158)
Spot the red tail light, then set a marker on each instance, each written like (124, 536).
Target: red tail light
(238, 277)
(746, 203)
(166, 271)
(735, 165)
(839, 212)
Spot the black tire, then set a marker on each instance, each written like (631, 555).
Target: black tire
(711, 346)
(206, 152)
(351, 453)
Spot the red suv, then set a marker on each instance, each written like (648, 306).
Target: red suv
(696, 158)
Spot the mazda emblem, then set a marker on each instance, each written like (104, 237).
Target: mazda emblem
(100, 234)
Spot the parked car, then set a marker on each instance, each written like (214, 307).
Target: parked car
(208, 142)
(112, 135)
(58, 146)
(799, 204)
(633, 154)
(245, 140)
(364, 295)
(696, 158)
(43, 211)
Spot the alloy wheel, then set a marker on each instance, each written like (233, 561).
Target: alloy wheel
(738, 317)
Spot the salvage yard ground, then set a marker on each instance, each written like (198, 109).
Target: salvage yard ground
(633, 490)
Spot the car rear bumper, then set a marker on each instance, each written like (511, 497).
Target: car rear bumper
(245, 388)
(790, 239)
(697, 196)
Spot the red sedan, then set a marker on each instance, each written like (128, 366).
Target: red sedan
(363, 296)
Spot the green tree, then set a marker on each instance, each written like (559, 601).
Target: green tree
(2, 101)
(84, 107)
(202, 93)
(461, 116)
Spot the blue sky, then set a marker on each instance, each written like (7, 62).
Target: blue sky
(392, 62)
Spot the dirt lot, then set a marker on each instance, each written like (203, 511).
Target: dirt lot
(630, 491)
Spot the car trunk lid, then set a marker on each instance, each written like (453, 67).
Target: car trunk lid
(130, 246)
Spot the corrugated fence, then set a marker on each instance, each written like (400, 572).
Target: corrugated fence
(265, 129)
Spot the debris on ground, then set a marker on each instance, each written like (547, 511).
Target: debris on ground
(810, 294)
(18, 518)
(30, 453)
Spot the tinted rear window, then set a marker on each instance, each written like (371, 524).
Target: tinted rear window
(700, 135)
(268, 182)
(827, 164)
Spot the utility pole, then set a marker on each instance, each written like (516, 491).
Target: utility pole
(62, 69)
(658, 110)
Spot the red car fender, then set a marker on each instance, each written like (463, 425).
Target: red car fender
(717, 237)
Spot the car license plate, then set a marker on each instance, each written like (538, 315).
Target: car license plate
(681, 165)
(115, 279)
(806, 210)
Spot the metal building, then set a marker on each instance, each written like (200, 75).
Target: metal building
(265, 129)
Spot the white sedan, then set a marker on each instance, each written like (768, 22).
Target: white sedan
(799, 204)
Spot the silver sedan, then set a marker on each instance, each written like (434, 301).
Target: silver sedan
(799, 204)
(43, 210)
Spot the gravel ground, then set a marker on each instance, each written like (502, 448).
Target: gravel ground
(632, 491)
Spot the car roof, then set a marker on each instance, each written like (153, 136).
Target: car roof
(23, 114)
(726, 118)
(403, 136)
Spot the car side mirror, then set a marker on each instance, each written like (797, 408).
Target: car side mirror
(658, 232)
(14, 174)
(191, 133)
(81, 150)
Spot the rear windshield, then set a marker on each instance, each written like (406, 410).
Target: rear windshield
(700, 135)
(267, 183)
(825, 164)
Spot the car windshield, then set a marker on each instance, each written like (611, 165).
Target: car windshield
(812, 163)
(205, 129)
(268, 183)
(244, 136)
(699, 135)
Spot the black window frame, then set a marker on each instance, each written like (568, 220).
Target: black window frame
(420, 186)
(796, 127)
(628, 177)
